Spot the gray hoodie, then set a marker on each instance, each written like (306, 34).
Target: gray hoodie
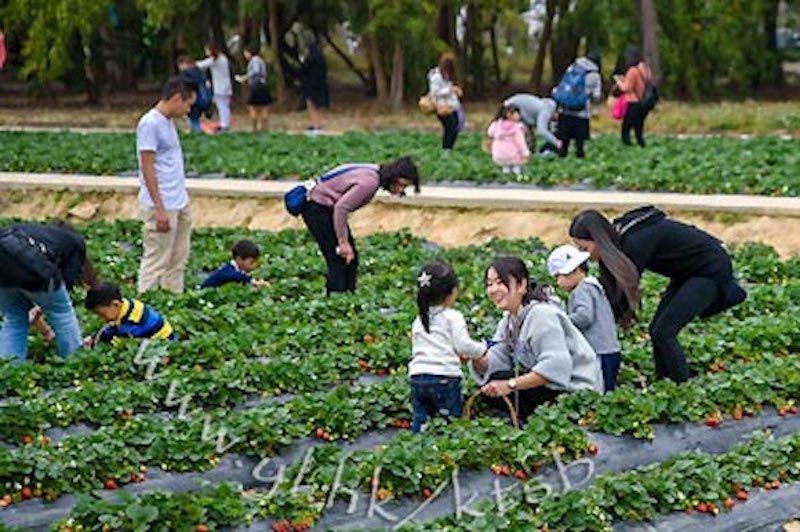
(590, 311)
(594, 87)
(542, 338)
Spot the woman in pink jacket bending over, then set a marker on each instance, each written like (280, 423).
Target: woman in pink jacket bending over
(509, 148)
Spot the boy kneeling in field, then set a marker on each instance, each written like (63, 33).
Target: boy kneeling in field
(245, 259)
(127, 318)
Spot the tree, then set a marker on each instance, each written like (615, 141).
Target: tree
(648, 25)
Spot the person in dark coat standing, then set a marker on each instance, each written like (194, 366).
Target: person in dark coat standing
(41, 263)
(314, 85)
(698, 267)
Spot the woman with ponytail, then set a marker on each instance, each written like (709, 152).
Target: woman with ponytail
(538, 353)
(698, 267)
(438, 338)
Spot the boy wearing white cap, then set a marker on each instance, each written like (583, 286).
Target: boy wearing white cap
(588, 307)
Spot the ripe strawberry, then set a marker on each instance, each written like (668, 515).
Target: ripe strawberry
(201, 528)
(363, 365)
(110, 484)
(302, 525)
(281, 526)
(520, 474)
(793, 409)
(782, 411)
(505, 470)
(593, 449)
(703, 508)
(496, 469)
(729, 503)
(26, 492)
(776, 484)
(319, 433)
(741, 495)
(380, 372)
(713, 421)
(27, 440)
(426, 493)
(5, 501)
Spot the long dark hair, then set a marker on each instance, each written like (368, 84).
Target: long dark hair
(87, 276)
(508, 268)
(436, 281)
(505, 111)
(403, 167)
(633, 56)
(618, 274)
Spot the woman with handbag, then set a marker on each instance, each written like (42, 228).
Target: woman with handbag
(632, 85)
(445, 93)
(40, 264)
(537, 352)
(336, 194)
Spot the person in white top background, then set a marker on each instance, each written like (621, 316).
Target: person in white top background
(438, 338)
(162, 195)
(217, 63)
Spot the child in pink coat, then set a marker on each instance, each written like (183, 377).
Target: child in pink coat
(509, 148)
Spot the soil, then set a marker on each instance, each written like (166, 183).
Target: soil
(447, 227)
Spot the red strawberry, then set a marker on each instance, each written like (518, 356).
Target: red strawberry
(201, 528)
(26, 492)
(505, 470)
(593, 449)
(729, 503)
(426, 493)
(713, 421)
(319, 433)
(703, 508)
(27, 440)
(520, 474)
(110, 484)
(741, 495)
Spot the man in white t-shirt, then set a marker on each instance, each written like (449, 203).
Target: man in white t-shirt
(162, 195)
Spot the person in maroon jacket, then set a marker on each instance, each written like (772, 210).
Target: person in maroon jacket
(348, 188)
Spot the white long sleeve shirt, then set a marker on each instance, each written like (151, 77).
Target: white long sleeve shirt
(436, 352)
(220, 73)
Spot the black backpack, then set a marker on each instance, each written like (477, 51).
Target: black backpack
(28, 262)
(650, 96)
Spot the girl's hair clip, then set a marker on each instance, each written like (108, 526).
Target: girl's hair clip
(424, 279)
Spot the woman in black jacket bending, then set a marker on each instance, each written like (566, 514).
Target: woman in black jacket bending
(698, 267)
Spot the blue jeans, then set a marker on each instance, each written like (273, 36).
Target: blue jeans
(610, 365)
(433, 395)
(57, 307)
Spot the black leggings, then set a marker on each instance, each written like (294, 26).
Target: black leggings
(572, 127)
(341, 276)
(680, 304)
(634, 118)
(450, 125)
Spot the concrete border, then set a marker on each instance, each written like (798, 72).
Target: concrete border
(484, 197)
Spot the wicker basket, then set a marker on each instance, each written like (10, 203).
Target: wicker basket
(511, 409)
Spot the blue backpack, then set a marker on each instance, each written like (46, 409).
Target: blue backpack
(570, 93)
(297, 197)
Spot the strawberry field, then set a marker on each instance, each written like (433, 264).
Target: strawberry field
(282, 408)
(721, 164)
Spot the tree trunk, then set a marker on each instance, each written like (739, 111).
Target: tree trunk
(544, 42)
(282, 87)
(446, 24)
(775, 72)
(474, 46)
(398, 79)
(349, 62)
(217, 33)
(648, 27)
(564, 47)
(381, 88)
(495, 54)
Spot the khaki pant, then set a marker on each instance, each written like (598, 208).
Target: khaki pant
(165, 255)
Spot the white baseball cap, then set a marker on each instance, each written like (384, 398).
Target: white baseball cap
(565, 259)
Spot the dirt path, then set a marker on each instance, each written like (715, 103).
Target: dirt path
(448, 227)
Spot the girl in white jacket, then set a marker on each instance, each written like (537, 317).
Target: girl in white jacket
(217, 63)
(439, 337)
